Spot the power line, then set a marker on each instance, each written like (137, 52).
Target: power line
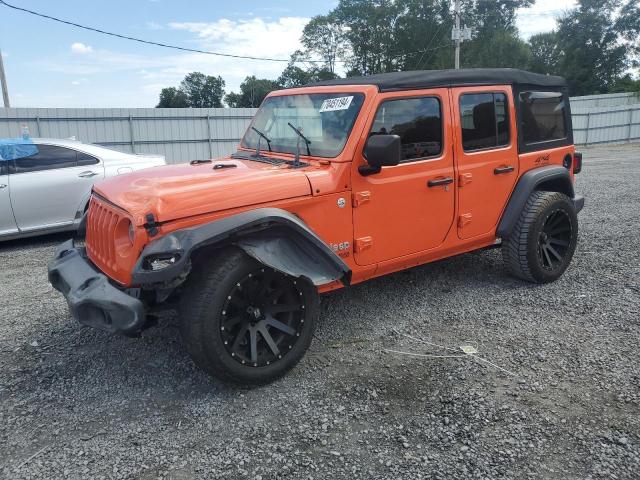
(149, 42)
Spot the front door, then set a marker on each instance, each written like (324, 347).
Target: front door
(7, 222)
(407, 208)
(486, 155)
(47, 188)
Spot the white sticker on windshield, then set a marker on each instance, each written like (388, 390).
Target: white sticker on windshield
(333, 104)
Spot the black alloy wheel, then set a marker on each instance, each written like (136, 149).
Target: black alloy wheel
(542, 243)
(243, 322)
(554, 239)
(262, 318)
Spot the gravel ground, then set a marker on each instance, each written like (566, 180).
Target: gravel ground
(78, 403)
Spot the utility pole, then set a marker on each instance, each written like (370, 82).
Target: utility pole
(3, 81)
(457, 34)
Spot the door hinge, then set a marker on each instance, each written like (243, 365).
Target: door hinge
(464, 179)
(363, 243)
(359, 198)
(464, 220)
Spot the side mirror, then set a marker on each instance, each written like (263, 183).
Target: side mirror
(381, 151)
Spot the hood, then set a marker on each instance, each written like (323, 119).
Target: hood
(178, 191)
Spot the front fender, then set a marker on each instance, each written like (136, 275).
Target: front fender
(272, 236)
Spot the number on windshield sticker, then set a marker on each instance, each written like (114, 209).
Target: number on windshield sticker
(333, 104)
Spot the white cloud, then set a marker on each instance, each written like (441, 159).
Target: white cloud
(81, 48)
(541, 17)
(255, 37)
(157, 67)
(151, 25)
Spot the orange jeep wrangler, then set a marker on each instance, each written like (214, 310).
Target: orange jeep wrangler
(332, 184)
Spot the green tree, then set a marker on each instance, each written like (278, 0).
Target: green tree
(203, 91)
(546, 55)
(626, 84)
(325, 37)
(172, 97)
(294, 76)
(592, 56)
(252, 92)
(500, 48)
(371, 26)
(495, 42)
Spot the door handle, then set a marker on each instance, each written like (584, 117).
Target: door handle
(4, 185)
(439, 181)
(500, 170)
(87, 174)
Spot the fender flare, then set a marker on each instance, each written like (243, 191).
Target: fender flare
(552, 178)
(273, 236)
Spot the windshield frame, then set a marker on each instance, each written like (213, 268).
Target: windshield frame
(363, 98)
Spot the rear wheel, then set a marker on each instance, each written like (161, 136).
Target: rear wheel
(544, 239)
(243, 322)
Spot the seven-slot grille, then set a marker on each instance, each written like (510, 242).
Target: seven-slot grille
(100, 242)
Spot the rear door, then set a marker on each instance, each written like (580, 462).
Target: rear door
(47, 188)
(486, 155)
(7, 222)
(401, 211)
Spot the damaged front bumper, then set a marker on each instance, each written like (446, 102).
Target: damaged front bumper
(92, 299)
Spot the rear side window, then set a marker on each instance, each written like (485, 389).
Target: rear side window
(48, 157)
(542, 116)
(485, 120)
(418, 122)
(86, 159)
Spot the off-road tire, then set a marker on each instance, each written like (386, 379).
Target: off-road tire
(522, 251)
(205, 296)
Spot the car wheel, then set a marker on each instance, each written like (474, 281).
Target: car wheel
(243, 322)
(544, 239)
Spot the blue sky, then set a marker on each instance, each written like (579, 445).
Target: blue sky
(53, 65)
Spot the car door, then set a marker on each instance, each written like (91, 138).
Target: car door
(486, 156)
(407, 208)
(47, 188)
(7, 221)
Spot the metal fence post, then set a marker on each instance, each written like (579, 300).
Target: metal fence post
(209, 135)
(629, 126)
(38, 125)
(586, 135)
(133, 143)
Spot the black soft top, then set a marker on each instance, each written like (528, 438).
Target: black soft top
(450, 78)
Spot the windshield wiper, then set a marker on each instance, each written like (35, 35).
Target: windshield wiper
(306, 141)
(261, 135)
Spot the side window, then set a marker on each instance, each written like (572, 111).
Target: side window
(86, 159)
(48, 157)
(542, 116)
(485, 120)
(4, 167)
(418, 122)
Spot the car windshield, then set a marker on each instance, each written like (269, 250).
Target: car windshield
(326, 119)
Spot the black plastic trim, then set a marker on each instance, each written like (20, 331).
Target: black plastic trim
(92, 300)
(556, 176)
(274, 237)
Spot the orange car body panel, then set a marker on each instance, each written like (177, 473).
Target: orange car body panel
(390, 221)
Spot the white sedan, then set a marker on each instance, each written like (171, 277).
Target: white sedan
(48, 192)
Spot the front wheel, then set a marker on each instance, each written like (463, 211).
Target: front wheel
(544, 239)
(243, 322)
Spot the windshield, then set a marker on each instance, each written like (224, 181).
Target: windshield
(326, 119)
